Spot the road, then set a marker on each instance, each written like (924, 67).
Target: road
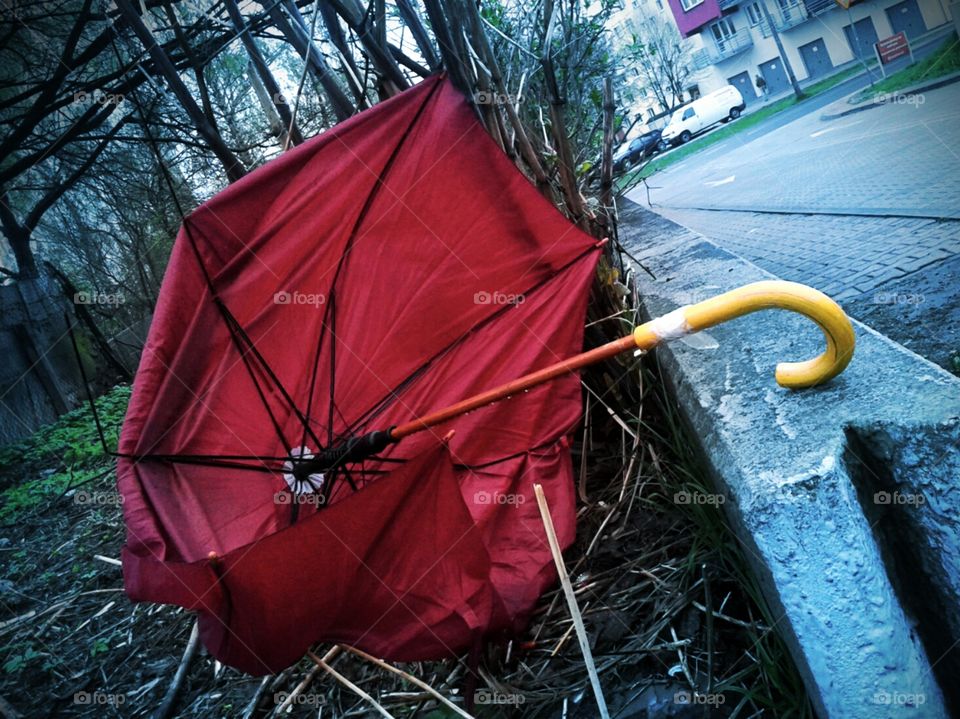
(865, 207)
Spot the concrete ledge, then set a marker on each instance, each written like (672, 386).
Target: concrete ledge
(844, 497)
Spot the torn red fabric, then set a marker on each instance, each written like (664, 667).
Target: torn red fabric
(394, 265)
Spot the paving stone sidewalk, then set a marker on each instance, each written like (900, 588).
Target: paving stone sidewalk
(901, 276)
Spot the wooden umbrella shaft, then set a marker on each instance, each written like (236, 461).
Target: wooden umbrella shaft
(836, 327)
(611, 349)
(770, 294)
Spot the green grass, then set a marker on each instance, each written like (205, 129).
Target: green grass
(59, 457)
(944, 61)
(734, 128)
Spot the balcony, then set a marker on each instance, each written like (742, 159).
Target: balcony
(786, 14)
(730, 46)
(727, 4)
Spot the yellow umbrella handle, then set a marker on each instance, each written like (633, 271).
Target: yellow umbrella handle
(772, 294)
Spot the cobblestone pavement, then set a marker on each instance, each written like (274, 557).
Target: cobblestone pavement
(841, 255)
(858, 207)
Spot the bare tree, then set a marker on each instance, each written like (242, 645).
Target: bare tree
(662, 58)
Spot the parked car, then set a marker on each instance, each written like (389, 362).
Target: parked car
(720, 105)
(638, 149)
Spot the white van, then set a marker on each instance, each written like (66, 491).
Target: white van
(720, 105)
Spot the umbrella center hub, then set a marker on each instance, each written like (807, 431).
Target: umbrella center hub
(301, 482)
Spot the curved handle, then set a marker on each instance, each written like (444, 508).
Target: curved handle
(761, 296)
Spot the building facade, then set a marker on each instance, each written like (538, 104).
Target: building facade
(734, 41)
(643, 110)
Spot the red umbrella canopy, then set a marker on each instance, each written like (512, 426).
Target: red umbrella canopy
(387, 268)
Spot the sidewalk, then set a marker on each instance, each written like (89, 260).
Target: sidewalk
(846, 105)
(922, 46)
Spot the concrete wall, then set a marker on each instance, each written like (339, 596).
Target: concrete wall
(844, 497)
(38, 375)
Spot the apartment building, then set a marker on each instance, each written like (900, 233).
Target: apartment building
(734, 41)
(640, 103)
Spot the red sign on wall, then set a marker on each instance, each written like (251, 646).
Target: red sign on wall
(893, 47)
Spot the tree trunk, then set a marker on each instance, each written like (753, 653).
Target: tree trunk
(264, 75)
(419, 32)
(231, 163)
(295, 31)
(83, 314)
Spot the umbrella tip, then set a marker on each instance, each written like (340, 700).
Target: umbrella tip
(448, 436)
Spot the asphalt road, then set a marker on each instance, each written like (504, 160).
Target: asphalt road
(818, 102)
(865, 207)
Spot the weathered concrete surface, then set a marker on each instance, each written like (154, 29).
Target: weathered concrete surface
(865, 584)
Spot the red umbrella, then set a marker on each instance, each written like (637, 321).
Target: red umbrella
(321, 310)
(396, 264)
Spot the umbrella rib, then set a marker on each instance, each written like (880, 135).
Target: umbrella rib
(231, 328)
(313, 380)
(368, 202)
(270, 374)
(333, 362)
(393, 395)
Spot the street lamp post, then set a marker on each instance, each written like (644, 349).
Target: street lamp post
(783, 54)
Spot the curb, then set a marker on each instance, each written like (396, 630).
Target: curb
(933, 85)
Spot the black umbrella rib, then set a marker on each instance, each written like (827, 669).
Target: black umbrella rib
(195, 248)
(330, 307)
(333, 362)
(235, 338)
(364, 420)
(220, 462)
(265, 366)
(313, 381)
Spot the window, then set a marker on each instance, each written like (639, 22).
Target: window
(723, 29)
(754, 14)
(688, 113)
(688, 5)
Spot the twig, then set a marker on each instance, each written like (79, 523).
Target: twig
(8, 711)
(571, 600)
(410, 678)
(709, 602)
(757, 626)
(166, 707)
(255, 699)
(350, 685)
